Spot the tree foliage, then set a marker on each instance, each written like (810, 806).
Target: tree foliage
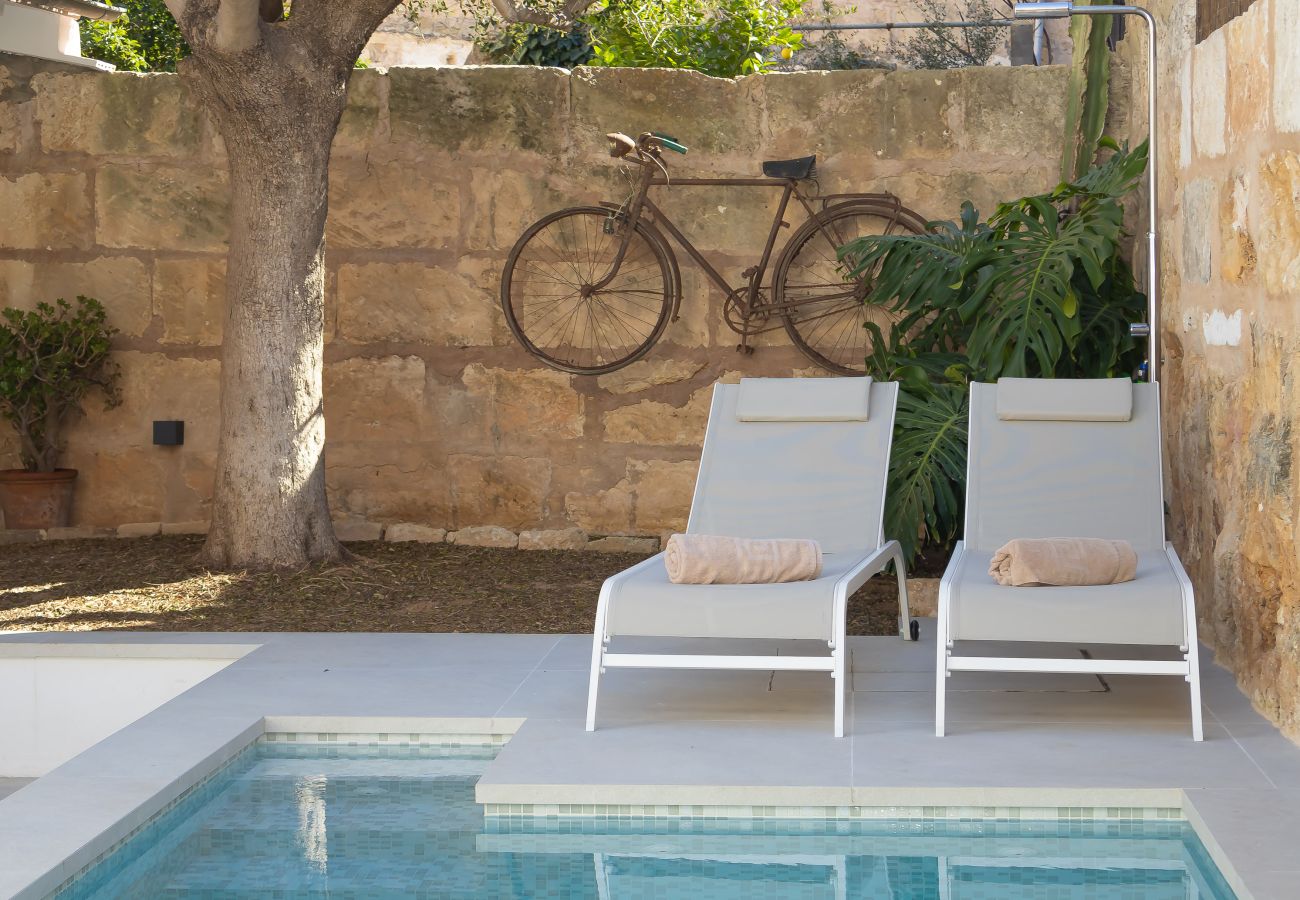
(725, 38)
(145, 38)
(940, 47)
(1039, 289)
(534, 45)
(50, 358)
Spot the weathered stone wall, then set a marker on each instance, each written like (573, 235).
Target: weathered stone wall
(115, 186)
(1230, 225)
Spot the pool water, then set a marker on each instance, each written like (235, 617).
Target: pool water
(293, 821)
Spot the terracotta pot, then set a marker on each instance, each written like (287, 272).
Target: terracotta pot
(37, 499)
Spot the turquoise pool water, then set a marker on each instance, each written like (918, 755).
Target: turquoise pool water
(292, 821)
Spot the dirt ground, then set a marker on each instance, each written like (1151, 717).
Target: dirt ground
(156, 584)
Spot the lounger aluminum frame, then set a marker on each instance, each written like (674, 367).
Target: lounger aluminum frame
(1109, 487)
(770, 479)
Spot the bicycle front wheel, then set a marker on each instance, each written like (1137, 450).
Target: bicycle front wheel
(823, 309)
(556, 311)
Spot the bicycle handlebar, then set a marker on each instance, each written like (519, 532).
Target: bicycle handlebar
(670, 142)
(647, 144)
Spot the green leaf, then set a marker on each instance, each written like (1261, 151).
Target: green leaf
(927, 467)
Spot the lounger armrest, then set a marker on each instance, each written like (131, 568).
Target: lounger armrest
(1189, 594)
(946, 582)
(870, 565)
(613, 581)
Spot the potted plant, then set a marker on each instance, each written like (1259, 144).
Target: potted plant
(50, 358)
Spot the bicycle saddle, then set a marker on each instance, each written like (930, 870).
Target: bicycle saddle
(803, 167)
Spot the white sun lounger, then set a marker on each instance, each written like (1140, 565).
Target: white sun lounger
(783, 458)
(1066, 458)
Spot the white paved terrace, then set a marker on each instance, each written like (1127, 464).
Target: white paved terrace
(711, 738)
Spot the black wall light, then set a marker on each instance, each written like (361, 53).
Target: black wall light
(170, 433)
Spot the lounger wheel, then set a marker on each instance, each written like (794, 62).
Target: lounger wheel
(914, 630)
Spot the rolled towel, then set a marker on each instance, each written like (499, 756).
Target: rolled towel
(713, 559)
(1033, 562)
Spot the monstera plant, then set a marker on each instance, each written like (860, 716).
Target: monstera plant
(1039, 289)
(50, 358)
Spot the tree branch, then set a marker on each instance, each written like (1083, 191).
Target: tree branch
(239, 25)
(344, 27)
(221, 26)
(562, 20)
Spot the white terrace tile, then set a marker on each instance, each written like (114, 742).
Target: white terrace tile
(1001, 753)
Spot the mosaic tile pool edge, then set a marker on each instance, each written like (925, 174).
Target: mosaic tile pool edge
(384, 739)
(848, 813)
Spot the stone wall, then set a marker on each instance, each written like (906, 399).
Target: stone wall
(1230, 263)
(115, 186)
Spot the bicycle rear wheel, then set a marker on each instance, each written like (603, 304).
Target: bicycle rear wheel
(555, 311)
(823, 309)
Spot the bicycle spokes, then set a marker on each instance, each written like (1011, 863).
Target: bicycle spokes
(824, 309)
(585, 294)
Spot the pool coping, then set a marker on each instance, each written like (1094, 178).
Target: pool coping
(126, 790)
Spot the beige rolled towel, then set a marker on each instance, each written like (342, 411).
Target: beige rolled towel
(1034, 562)
(713, 559)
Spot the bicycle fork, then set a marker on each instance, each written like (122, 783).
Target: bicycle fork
(630, 221)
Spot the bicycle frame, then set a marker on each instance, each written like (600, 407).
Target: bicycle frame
(754, 275)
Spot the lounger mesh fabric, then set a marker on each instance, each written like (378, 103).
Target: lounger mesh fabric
(793, 479)
(649, 604)
(1147, 610)
(1040, 479)
(770, 480)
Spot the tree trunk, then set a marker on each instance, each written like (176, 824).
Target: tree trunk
(269, 507)
(274, 78)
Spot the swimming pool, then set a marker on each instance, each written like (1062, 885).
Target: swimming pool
(289, 820)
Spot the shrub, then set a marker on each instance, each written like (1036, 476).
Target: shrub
(50, 358)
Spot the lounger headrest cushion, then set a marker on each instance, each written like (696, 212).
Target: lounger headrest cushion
(1065, 399)
(803, 399)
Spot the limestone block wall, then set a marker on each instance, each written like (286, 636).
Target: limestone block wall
(1230, 201)
(114, 185)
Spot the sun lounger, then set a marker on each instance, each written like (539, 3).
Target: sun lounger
(1066, 458)
(782, 458)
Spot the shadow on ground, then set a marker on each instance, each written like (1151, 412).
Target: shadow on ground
(157, 584)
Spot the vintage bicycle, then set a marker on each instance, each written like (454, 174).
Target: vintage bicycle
(590, 289)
